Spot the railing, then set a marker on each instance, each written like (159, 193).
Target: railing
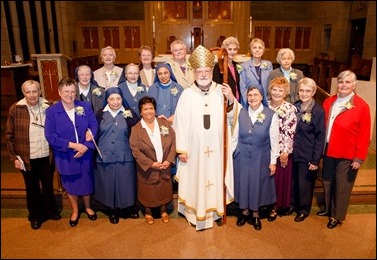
(324, 70)
(321, 95)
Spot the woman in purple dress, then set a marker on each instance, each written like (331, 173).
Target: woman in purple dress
(69, 128)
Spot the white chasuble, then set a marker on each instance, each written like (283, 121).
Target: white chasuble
(200, 189)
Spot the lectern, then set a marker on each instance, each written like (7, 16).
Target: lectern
(51, 69)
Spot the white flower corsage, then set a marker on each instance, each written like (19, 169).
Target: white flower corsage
(164, 130)
(307, 117)
(127, 113)
(114, 74)
(174, 91)
(264, 66)
(97, 92)
(45, 105)
(293, 76)
(260, 117)
(140, 89)
(348, 105)
(239, 68)
(80, 110)
(280, 111)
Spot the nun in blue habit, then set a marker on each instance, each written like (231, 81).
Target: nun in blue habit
(115, 171)
(166, 91)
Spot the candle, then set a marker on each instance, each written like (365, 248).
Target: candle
(153, 25)
(251, 24)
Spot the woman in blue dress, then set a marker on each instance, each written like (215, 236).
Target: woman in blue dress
(256, 149)
(255, 72)
(69, 128)
(115, 171)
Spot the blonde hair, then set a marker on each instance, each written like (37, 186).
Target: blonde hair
(177, 42)
(309, 82)
(230, 40)
(256, 40)
(108, 48)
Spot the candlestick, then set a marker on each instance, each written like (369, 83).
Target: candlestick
(153, 25)
(251, 26)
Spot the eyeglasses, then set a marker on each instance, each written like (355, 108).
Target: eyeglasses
(201, 72)
(306, 91)
(67, 92)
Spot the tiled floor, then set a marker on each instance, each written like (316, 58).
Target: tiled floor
(283, 238)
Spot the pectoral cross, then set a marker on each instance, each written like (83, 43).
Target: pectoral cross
(208, 185)
(208, 151)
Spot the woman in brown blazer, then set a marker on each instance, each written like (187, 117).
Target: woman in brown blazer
(152, 142)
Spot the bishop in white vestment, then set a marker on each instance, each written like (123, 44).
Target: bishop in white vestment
(199, 131)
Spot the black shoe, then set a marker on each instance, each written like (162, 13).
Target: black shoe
(91, 217)
(256, 223)
(134, 215)
(35, 224)
(114, 219)
(300, 217)
(281, 211)
(74, 223)
(289, 211)
(333, 223)
(219, 222)
(241, 220)
(322, 213)
(55, 217)
(272, 216)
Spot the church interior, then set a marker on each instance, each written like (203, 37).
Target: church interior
(327, 37)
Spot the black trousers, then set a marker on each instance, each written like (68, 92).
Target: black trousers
(40, 198)
(303, 182)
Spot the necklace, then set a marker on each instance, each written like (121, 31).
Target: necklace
(35, 116)
(304, 109)
(256, 62)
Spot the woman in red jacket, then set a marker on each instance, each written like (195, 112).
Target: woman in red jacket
(347, 140)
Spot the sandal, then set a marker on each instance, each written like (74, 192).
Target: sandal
(149, 219)
(165, 217)
(272, 216)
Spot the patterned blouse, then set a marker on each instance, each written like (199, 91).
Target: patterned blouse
(287, 125)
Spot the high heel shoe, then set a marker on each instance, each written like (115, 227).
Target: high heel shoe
(91, 217)
(73, 223)
(272, 216)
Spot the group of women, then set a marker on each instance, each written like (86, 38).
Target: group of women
(277, 140)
